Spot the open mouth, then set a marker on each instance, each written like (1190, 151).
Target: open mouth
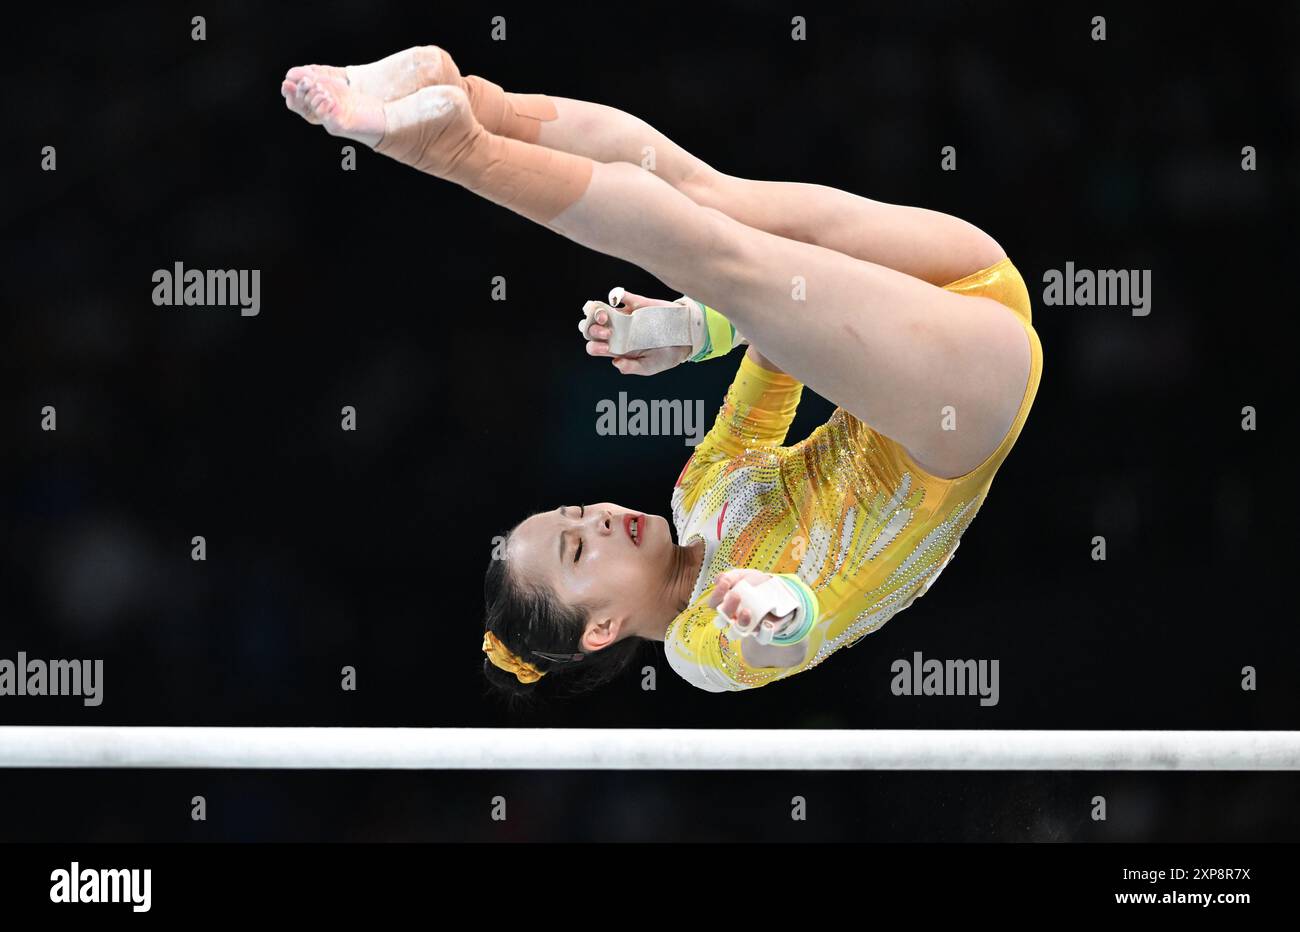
(635, 527)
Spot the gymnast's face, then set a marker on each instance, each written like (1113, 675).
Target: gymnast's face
(617, 561)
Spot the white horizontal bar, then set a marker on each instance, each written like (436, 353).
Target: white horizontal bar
(642, 749)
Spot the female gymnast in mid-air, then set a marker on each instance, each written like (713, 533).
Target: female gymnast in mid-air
(914, 323)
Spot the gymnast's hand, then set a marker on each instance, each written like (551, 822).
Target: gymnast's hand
(728, 602)
(647, 362)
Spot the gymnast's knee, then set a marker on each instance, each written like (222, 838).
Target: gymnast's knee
(703, 184)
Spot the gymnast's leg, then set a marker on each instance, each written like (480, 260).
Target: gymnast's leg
(929, 245)
(890, 348)
(926, 244)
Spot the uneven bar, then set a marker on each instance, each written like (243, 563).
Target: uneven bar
(640, 749)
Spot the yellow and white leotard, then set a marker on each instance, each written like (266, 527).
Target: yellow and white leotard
(847, 510)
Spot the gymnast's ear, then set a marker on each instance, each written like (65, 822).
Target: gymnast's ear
(601, 631)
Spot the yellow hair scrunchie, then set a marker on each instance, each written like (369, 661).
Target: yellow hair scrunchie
(502, 658)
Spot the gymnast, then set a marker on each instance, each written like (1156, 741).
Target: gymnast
(915, 324)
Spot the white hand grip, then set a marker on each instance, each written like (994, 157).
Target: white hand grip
(645, 328)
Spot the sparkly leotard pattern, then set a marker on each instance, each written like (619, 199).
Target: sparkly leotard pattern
(847, 509)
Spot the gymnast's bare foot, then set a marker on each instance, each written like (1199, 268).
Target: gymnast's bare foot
(343, 111)
(294, 87)
(398, 75)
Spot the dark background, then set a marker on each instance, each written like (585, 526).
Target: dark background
(367, 549)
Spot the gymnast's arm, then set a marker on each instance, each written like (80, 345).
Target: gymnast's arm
(773, 655)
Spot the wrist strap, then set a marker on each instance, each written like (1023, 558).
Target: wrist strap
(805, 615)
(719, 336)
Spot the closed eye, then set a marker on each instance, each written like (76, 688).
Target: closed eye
(577, 551)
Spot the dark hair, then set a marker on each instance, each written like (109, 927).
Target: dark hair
(528, 617)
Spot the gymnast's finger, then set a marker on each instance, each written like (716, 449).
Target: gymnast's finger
(722, 586)
(633, 301)
(730, 604)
